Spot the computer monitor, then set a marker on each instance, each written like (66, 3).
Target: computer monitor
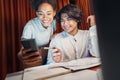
(108, 24)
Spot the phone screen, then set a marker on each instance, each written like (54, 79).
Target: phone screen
(29, 44)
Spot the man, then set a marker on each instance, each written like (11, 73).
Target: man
(73, 43)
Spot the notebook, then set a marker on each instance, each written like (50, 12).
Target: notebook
(78, 64)
(58, 69)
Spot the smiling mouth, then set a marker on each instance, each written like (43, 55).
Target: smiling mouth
(45, 21)
(67, 28)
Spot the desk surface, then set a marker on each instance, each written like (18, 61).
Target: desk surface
(36, 73)
(79, 75)
(46, 72)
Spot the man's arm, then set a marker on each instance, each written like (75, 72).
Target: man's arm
(94, 49)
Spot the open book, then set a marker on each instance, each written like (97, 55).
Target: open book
(58, 69)
(78, 64)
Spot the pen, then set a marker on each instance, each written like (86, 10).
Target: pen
(47, 48)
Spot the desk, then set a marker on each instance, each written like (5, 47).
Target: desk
(72, 70)
(42, 73)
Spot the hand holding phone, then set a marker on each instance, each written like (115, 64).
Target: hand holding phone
(29, 44)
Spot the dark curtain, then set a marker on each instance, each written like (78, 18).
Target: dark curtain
(86, 7)
(13, 16)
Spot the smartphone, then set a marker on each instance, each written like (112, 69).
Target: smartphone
(29, 44)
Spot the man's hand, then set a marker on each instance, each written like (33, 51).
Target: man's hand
(57, 55)
(92, 20)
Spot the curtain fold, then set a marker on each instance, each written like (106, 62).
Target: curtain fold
(85, 6)
(3, 67)
(62, 3)
(3, 58)
(14, 14)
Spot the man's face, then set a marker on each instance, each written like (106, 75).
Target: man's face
(46, 14)
(68, 24)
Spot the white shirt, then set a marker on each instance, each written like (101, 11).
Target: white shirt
(34, 29)
(75, 47)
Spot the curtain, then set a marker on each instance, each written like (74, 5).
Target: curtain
(14, 14)
(86, 7)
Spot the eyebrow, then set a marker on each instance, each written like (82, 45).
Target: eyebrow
(43, 11)
(65, 17)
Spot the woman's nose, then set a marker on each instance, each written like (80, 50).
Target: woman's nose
(45, 16)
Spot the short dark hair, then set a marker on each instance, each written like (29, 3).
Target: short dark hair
(35, 3)
(73, 12)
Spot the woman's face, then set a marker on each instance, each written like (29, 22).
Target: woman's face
(68, 24)
(46, 14)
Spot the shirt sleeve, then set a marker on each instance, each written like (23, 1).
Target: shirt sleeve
(55, 42)
(49, 57)
(27, 31)
(93, 42)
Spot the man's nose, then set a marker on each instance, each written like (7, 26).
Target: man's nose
(65, 22)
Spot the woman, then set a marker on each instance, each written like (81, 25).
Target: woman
(41, 29)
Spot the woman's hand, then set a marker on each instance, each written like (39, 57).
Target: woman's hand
(92, 20)
(30, 59)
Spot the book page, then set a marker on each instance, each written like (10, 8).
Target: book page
(41, 74)
(79, 75)
(79, 64)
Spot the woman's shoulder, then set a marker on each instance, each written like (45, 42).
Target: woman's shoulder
(30, 21)
(33, 22)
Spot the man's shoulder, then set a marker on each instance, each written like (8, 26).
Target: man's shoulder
(59, 36)
(83, 32)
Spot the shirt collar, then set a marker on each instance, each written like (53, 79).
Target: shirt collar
(66, 34)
